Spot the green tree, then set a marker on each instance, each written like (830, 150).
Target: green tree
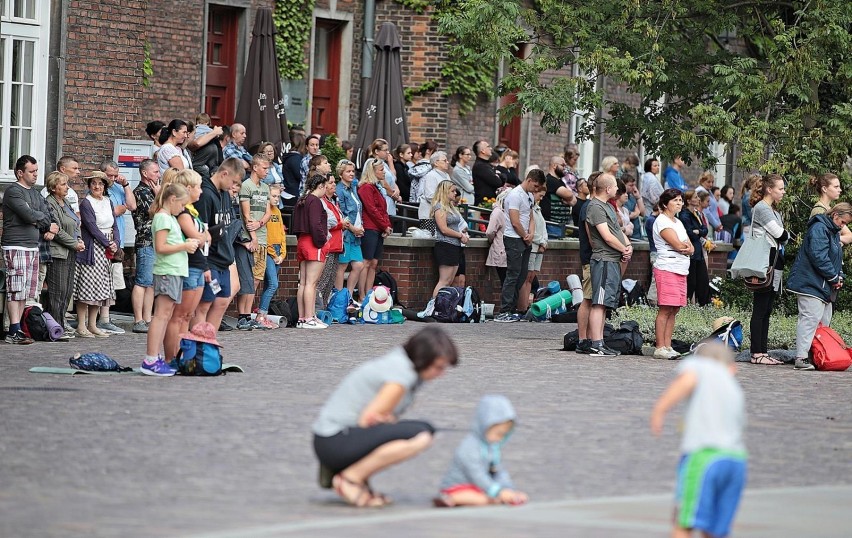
(771, 76)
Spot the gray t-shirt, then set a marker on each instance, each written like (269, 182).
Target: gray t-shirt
(715, 414)
(521, 200)
(598, 212)
(453, 222)
(360, 386)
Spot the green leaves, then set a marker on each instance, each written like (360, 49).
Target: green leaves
(292, 20)
(775, 78)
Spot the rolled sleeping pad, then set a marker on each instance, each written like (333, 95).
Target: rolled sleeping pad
(53, 327)
(576, 287)
(553, 302)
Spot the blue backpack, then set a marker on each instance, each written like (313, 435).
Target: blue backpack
(458, 305)
(337, 305)
(198, 358)
(96, 362)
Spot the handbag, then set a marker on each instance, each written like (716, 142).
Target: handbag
(115, 257)
(753, 264)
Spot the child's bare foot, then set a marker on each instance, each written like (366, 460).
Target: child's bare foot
(444, 501)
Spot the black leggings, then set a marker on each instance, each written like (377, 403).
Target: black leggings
(698, 282)
(354, 444)
(759, 326)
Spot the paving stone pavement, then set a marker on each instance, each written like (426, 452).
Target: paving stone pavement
(231, 456)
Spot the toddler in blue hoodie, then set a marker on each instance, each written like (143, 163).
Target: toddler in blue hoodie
(477, 477)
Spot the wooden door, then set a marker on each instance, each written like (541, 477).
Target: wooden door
(324, 106)
(510, 133)
(219, 92)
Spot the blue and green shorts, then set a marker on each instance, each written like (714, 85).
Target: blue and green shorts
(709, 485)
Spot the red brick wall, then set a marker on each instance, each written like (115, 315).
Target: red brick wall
(103, 71)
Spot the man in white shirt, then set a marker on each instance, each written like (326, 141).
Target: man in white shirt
(517, 238)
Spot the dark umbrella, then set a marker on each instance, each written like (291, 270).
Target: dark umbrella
(384, 110)
(261, 105)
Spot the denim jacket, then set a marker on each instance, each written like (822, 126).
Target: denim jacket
(350, 207)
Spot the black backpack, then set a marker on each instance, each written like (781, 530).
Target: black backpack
(627, 339)
(282, 308)
(33, 324)
(636, 296)
(383, 278)
(450, 305)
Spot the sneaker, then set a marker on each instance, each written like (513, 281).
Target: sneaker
(506, 317)
(603, 351)
(801, 364)
(19, 338)
(244, 324)
(159, 368)
(257, 325)
(267, 323)
(140, 326)
(69, 334)
(313, 323)
(109, 328)
(299, 323)
(224, 327)
(673, 354)
(662, 353)
(583, 348)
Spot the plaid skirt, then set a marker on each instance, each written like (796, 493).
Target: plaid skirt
(93, 285)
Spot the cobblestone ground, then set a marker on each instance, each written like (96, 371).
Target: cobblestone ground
(231, 456)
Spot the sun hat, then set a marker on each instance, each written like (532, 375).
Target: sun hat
(380, 299)
(718, 323)
(97, 174)
(202, 332)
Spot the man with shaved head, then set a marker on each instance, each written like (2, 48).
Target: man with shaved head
(557, 203)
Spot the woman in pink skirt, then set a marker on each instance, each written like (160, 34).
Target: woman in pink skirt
(670, 269)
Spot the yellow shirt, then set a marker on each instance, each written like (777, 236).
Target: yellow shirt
(276, 234)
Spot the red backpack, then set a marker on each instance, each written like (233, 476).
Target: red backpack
(829, 351)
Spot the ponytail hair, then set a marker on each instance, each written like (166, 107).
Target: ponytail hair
(823, 180)
(311, 184)
(760, 185)
(166, 192)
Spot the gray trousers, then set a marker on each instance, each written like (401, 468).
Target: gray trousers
(60, 286)
(812, 311)
(517, 265)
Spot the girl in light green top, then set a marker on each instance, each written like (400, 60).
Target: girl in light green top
(171, 266)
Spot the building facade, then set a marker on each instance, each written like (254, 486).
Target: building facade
(75, 75)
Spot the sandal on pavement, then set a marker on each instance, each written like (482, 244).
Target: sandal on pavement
(361, 497)
(764, 358)
(380, 496)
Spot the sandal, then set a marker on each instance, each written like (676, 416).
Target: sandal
(385, 500)
(362, 497)
(764, 358)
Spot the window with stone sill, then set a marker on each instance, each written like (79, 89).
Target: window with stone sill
(23, 81)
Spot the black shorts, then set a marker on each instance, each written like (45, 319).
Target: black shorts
(447, 254)
(372, 244)
(353, 444)
(460, 270)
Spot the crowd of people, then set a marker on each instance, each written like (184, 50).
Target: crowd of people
(209, 216)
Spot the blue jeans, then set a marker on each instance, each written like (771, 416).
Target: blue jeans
(145, 266)
(270, 285)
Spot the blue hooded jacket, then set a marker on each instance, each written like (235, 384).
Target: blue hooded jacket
(477, 461)
(819, 263)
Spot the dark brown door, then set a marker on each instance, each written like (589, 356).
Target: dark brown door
(219, 94)
(325, 102)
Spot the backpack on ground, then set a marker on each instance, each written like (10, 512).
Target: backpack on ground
(338, 305)
(282, 308)
(627, 339)
(472, 306)
(632, 293)
(570, 340)
(829, 351)
(730, 334)
(198, 358)
(458, 305)
(383, 278)
(34, 325)
(566, 317)
(96, 362)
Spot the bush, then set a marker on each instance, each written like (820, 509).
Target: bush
(694, 323)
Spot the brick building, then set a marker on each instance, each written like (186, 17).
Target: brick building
(72, 77)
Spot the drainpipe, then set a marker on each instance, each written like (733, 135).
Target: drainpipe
(367, 48)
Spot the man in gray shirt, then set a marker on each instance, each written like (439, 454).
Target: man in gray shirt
(26, 218)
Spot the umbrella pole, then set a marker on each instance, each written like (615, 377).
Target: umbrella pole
(367, 50)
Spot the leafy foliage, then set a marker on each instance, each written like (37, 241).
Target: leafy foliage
(333, 152)
(773, 77)
(292, 20)
(147, 65)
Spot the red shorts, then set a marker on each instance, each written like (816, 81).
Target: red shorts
(461, 488)
(306, 251)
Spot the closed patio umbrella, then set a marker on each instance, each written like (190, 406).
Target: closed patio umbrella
(261, 105)
(384, 108)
